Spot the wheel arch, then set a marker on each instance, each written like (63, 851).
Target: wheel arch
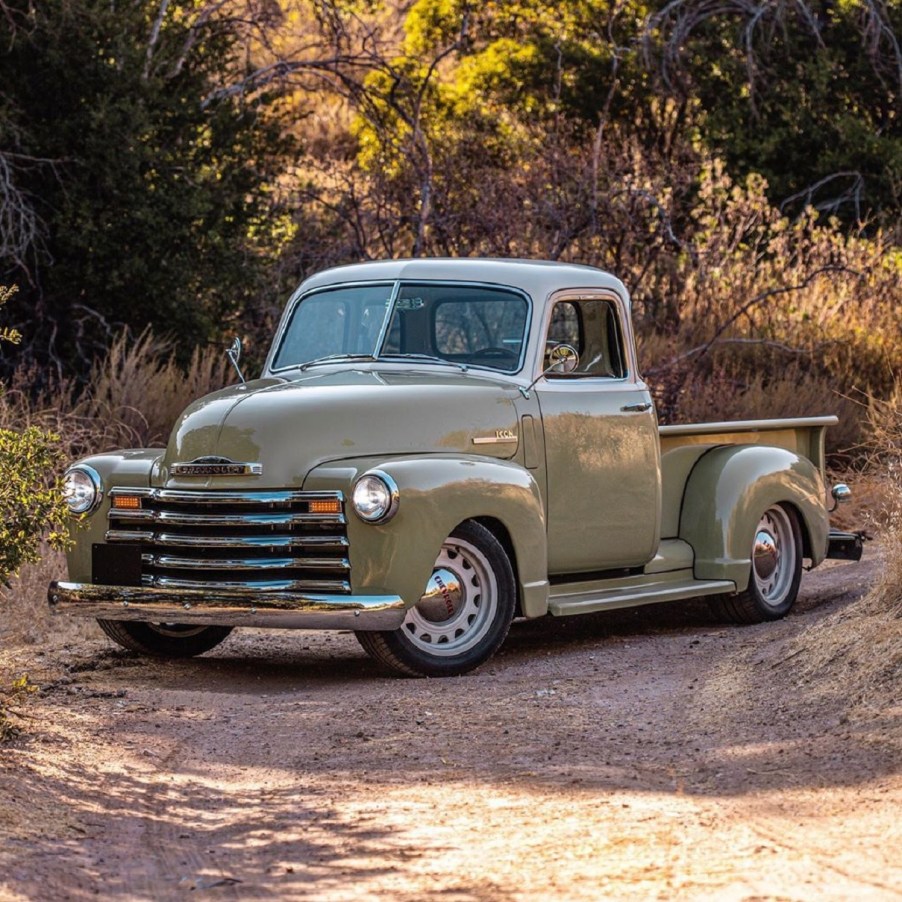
(502, 534)
(438, 493)
(726, 493)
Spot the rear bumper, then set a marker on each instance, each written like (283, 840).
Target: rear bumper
(845, 546)
(233, 607)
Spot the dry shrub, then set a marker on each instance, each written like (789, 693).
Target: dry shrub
(859, 649)
(775, 316)
(132, 399)
(735, 392)
(141, 389)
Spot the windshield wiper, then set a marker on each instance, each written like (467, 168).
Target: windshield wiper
(432, 359)
(330, 357)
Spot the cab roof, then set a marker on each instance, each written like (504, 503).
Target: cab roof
(538, 278)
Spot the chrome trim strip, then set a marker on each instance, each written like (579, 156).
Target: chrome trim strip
(494, 440)
(234, 607)
(267, 586)
(128, 535)
(183, 518)
(262, 496)
(321, 543)
(173, 562)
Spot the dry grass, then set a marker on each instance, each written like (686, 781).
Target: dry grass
(860, 647)
(772, 316)
(132, 399)
(857, 651)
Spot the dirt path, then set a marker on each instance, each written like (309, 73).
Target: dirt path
(645, 754)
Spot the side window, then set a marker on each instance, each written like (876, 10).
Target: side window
(592, 327)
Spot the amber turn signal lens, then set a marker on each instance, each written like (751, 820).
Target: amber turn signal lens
(325, 507)
(127, 502)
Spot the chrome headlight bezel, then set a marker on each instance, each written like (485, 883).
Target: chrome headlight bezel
(372, 486)
(82, 489)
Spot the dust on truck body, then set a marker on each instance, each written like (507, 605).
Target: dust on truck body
(435, 447)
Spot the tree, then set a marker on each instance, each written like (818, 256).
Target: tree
(807, 94)
(144, 195)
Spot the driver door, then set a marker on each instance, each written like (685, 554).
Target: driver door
(603, 496)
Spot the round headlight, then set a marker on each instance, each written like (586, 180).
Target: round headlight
(82, 489)
(375, 497)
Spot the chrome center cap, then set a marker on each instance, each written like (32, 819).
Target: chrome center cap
(765, 554)
(442, 597)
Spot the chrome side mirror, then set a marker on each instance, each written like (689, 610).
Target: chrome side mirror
(233, 352)
(841, 494)
(563, 359)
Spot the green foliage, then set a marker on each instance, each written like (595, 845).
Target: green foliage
(805, 94)
(31, 497)
(151, 183)
(13, 336)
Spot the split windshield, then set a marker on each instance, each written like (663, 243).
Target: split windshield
(462, 325)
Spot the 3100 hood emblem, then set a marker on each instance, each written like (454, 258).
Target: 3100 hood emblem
(216, 466)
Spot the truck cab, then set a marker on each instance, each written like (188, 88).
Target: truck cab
(433, 448)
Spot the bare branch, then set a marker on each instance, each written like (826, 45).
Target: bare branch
(154, 37)
(20, 226)
(758, 299)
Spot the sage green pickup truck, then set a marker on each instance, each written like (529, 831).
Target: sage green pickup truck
(434, 448)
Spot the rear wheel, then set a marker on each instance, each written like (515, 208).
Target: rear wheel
(776, 569)
(164, 640)
(462, 617)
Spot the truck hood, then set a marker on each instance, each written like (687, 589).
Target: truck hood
(292, 426)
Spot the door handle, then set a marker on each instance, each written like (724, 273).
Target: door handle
(636, 408)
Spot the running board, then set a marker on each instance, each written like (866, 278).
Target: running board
(568, 599)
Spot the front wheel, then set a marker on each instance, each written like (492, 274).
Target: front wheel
(462, 617)
(164, 640)
(776, 569)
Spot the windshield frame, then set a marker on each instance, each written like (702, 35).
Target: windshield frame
(396, 286)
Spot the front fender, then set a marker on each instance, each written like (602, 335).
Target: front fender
(132, 469)
(726, 493)
(437, 493)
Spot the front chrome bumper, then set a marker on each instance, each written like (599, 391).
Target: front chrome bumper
(231, 607)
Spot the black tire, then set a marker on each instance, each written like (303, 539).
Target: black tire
(164, 640)
(776, 570)
(463, 616)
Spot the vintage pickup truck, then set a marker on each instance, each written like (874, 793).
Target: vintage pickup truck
(434, 448)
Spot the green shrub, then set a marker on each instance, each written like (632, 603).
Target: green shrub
(31, 497)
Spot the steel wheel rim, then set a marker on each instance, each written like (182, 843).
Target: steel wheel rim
(470, 604)
(774, 557)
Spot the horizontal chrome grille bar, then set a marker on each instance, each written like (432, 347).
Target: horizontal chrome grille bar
(173, 562)
(257, 498)
(266, 541)
(320, 543)
(181, 518)
(260, 585)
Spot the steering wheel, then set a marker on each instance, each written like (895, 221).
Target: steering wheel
(496, 352)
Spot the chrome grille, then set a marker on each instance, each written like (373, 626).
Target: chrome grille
(267, 540)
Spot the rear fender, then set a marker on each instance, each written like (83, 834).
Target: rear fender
(437, 493)
(726, 493)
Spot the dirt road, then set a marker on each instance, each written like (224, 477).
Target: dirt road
(653, 754)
